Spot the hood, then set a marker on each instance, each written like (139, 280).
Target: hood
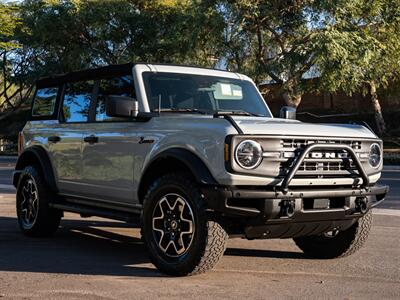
(272, 126)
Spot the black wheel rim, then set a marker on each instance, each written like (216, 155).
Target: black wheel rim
(29, 204)
(173, 225)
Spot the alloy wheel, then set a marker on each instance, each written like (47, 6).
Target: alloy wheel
(173, 225)
(30, 203)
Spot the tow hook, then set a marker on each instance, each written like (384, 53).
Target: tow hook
(287, 208)
(362, 204)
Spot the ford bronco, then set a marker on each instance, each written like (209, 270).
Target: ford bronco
(192, 156)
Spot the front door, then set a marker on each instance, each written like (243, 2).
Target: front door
(108, 162)
(108, 153)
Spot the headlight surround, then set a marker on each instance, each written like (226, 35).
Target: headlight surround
(248, 154)
(375, 155)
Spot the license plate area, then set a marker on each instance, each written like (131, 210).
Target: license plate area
(323, 203)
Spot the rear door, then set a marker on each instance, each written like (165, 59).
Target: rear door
(66, 147)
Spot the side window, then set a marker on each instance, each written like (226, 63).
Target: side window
(76, 102)
(45, 102)
(117, 86)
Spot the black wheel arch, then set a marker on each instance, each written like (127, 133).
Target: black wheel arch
(172, 160)
(36, 155)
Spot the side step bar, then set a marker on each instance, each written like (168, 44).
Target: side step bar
(89, 211)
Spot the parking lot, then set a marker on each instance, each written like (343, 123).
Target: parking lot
(101, 259)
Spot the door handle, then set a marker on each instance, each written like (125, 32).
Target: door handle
(54, 138)
(91, 139)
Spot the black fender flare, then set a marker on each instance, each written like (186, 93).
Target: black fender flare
(190, 160)
(36, 155)
(196, 166)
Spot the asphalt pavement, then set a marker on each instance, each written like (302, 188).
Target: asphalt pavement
(101, 259)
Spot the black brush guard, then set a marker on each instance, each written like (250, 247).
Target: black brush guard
(307, 150)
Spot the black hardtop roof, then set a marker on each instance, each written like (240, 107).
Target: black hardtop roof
(111, 70)
(101, 72)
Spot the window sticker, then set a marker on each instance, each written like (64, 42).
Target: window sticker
(226, 89)
(237, 93)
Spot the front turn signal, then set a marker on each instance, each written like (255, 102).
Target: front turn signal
(226, 152)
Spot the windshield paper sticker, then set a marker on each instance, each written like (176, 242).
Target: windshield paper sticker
(226, 89)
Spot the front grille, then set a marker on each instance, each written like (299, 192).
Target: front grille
(319, 167)
(301, 143)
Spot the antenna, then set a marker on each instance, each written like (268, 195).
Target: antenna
(159, 104)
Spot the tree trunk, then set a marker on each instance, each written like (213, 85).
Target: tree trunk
(380, 122)
(292, 100)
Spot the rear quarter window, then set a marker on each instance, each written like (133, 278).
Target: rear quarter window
(45, 102)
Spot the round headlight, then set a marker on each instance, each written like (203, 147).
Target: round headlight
(248, 154)
(375, 155)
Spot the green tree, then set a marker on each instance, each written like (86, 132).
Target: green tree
(8, 21)
(351, 46)
(10, 88)
(275, 40)
(71, 35)
(361, 49)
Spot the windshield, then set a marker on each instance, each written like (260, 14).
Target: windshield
(204, 94)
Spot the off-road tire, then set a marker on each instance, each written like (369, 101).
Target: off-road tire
(47, 219)
(343, 244)
(209, 238)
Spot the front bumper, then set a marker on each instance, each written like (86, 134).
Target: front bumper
(297, 212)
(284, 210)
(246, 202)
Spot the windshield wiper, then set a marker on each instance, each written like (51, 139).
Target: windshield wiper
(236, 113)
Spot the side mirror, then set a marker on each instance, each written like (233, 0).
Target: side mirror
(122, 106)
(288, 112)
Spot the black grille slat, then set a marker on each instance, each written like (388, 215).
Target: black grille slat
(327, 166)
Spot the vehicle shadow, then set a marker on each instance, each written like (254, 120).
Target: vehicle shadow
(89, 247)
(79, 247)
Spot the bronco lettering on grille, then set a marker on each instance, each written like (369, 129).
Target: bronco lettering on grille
(328, 155)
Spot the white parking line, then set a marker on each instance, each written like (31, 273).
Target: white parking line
(386, 212)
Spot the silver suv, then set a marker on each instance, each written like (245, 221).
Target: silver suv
(192, 156)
